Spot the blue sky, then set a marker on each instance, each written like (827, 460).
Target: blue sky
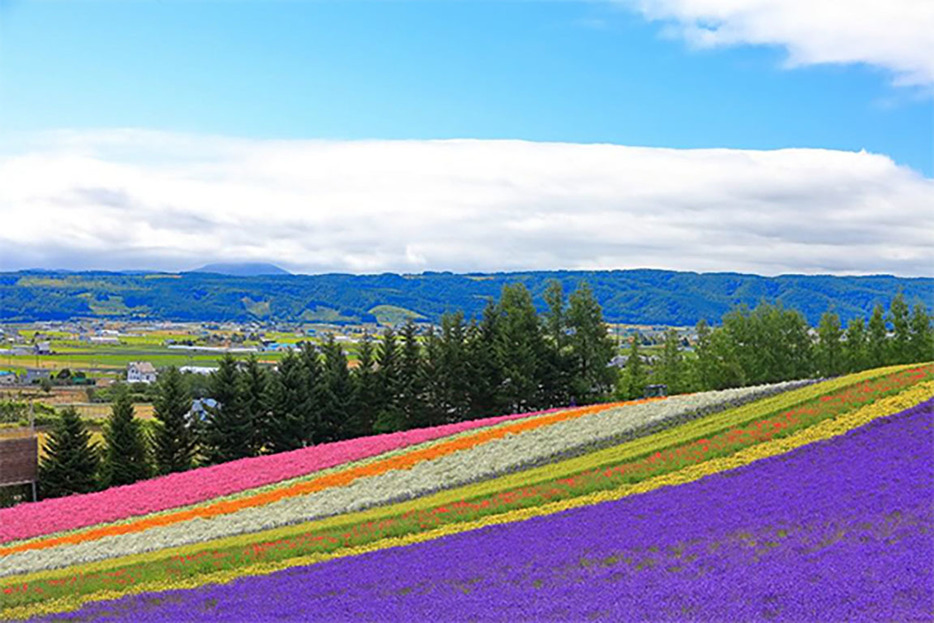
(543, 71)
(145, 119)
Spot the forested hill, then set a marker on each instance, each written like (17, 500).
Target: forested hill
(631, 296)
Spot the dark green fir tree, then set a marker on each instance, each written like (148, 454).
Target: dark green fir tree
(71, 461)
(336, 394)
(126, 453)
(390, 418)
(228, 431)
(366, 390)
(175, 441)
(288, 426)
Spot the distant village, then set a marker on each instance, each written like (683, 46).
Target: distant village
(99, 353)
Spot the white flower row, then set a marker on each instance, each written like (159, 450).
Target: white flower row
(482, 462)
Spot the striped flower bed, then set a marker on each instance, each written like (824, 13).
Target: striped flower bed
(335, 479)
(456, 493)
(842, 532)
(175, 490)
(492, 453)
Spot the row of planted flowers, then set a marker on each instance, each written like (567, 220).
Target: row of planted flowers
(464, 513)
(485, 455)
(175, 490)
(841, 532)
(246, 494)
(293, 488)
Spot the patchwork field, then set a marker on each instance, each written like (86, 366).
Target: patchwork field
(797, 501)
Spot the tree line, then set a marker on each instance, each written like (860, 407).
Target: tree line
(510, 359)
(770, 344)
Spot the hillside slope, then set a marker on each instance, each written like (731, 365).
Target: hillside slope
(631, 296)
(766, 542)
(659, 497)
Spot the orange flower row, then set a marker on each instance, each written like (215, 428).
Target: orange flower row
(337, 479)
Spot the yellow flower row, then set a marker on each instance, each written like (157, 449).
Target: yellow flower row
(819, 432)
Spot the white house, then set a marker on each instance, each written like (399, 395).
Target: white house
(140, 372)
(205, 370)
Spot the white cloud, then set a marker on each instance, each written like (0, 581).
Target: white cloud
(895, 34)
(134, 199)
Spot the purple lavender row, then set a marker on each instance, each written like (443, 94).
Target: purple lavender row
(841, 530)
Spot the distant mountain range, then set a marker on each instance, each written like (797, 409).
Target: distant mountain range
(631, 296)
(245, 269)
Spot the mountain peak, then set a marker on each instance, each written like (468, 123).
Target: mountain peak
(242, 269)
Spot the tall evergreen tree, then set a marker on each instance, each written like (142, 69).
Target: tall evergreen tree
(520, 349)
(71, 461)
(390, 417)
(830, 358)
(289, 425)
(366, 390)
(634, 378)
(253, 401)
(411, 380)
(456, 396)
(558, 374)
(229, 430)
(877, 341)
(314, 393)
(591, 347)
(486, 377)
(336, 395)
(126, 456)
(900, 351)
(670, 370)
(433, 382)
(921, 336)
(174, 440)
(854, 348)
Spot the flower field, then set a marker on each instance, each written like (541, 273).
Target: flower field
(796, 501)
(211, 482)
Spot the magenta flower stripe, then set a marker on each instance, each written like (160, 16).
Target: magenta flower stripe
(26, 521)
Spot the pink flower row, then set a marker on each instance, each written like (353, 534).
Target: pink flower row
(69, 513)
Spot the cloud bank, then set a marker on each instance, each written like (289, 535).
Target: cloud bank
(149, 200)
(894, 34)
